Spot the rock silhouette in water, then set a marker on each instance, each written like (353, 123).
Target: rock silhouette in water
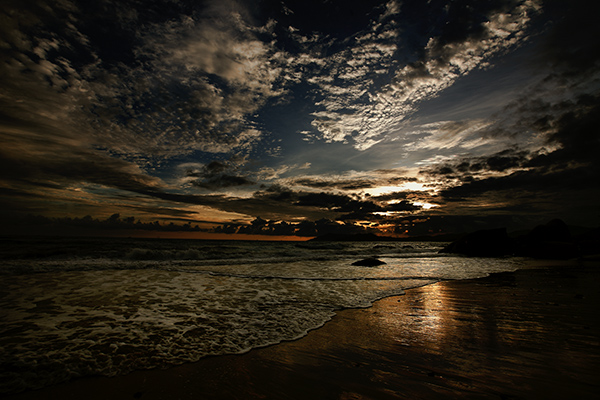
(368, 262)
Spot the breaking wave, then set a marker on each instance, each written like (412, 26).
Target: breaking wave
(118, 307)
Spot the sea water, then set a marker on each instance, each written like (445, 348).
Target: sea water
(71, 308)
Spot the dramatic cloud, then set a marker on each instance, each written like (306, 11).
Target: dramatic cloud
(216, 175)
(302, 116)
(515, 179)
(367, 113)
(149, 91)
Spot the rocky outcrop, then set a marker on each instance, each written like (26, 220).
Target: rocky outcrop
(589, 242)
(554, 231)
(548, 241)
(551, 241)
(483, 243)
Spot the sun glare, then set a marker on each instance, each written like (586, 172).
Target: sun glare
(425, 206)
(405, 187)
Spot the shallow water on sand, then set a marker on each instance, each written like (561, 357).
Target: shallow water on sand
(108, 307)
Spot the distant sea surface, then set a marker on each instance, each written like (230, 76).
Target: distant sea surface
(77, 307)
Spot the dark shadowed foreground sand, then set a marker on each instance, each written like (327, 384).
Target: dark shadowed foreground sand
(530, 334)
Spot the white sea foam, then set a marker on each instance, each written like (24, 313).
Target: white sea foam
(155, 304)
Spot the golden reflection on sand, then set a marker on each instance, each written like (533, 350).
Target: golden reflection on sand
(424, 317)
(524, 335)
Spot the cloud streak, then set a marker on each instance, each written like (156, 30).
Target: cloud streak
(366, 114)
(226, 111)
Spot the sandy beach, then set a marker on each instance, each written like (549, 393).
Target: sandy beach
(529, 334)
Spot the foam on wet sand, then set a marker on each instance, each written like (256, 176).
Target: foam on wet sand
(528, 334)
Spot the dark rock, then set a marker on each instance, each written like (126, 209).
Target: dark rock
(483, 243)
(369, 262)
(551, 241)
(589, 242)
(554, 231)
(548, 250)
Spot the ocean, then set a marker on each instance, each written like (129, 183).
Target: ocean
(80, 307)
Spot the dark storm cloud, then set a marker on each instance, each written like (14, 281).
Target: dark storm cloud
(101, 93)
(133, 79)
(541, 109)
(402, 206)
(342, 184)
(216, 175)
(392, 196)
(367, 180)
(572, 44)
(568, 194)
(339, 203)
(88, 223)
(405, 200)
(504, 160)
(269, 205)
(516, 182)
(334, 19)
(357, 110)
(340, 206)
(462, 20)
(141, 106)
(306, 228)
(559, 112)
(170, 213)
(319, 227)
(61, 166)
(566, 59)
(336, 202)
(577, 133)
(466, 167)
(563, 181)
(573, 159)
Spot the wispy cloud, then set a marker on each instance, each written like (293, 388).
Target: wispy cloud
(366, 113)
(104, 102)
(170, 108)
(180, 85)
(216, 175)
(463, 135)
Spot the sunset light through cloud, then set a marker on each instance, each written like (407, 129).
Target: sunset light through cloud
(220, 117)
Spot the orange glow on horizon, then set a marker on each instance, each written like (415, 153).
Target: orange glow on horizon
(207, 236)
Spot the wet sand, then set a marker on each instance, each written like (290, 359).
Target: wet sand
(530, 334)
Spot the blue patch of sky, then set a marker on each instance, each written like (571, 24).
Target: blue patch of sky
(482, 92)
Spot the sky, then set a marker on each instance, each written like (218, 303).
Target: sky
(291, 119)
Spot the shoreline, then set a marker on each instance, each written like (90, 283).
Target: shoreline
(530, 333)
